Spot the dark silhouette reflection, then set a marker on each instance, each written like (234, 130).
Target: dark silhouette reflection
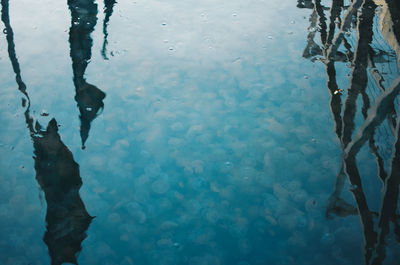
(89, 97)
(11, 46)
(363, 58)
(108, 10)
(305, 4)
(57, 174)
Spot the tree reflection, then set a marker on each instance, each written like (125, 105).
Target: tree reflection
(58, 176)
(56, 172)
(363, 59)
(89, 97)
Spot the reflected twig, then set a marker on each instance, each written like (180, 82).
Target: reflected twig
(389, 203)
(377, 115)
(11, 46)
(335, 204)
(345, 27)
(312, 49)
(108, 10)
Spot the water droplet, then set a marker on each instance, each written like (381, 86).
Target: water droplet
(234, 15)
(163, 24)
(44, 113)
(292, 22)
(5, 31)
(171, 48)
(89, 109)
(269, 37)
(305, 77)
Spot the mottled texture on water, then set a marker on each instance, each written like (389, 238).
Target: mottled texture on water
(199, 132)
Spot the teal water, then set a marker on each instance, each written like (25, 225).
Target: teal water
(200, 133)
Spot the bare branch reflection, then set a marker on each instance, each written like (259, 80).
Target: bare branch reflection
(365, 75)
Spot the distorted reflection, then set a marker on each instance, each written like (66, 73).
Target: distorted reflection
(57, 174)
(89, 97)
(367, 57)
(11, 46)
(220, 150)
(108, 10)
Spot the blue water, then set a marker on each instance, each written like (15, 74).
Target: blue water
(195, 133)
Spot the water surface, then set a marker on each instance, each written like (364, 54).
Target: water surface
(212, 132)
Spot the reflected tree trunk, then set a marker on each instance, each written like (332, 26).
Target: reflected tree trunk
(56, 173)
(88, 97)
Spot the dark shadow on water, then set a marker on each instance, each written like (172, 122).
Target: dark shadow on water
(363, 58)
(57, 174)
(88, 97)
